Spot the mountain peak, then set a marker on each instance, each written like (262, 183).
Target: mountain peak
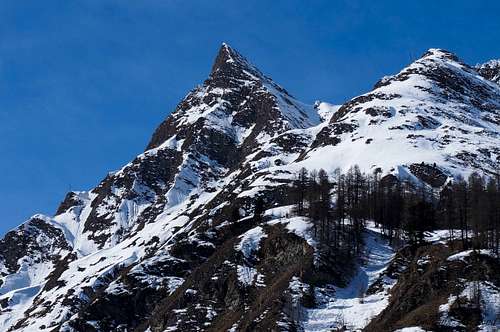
(226, 54)
(440, 53)
(230, 62)
(236, 95)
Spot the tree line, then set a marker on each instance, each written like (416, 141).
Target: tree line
(340, 204)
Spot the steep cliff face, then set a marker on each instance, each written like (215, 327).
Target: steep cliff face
(196, 233)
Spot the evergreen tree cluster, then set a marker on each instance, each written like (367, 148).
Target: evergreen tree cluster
(340, 204)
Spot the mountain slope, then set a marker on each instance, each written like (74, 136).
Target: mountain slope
(195, 232)
(438, 111)
(134, 213)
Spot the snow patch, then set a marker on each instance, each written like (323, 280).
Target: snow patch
(250, 241)
(350, 306)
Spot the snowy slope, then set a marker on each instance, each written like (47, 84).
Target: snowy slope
(437, 111)
(29, 255)
(349, 306)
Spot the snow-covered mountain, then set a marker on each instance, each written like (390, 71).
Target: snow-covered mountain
(437, 111)
(156, 245)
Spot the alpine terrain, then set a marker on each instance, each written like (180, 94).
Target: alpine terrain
(252, 211)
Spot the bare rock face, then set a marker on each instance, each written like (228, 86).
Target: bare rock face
(423, 296)
(429, 174)
(155, 245)
(70, 201)
(36, 239)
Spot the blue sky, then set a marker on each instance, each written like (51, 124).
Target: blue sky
(83, 84)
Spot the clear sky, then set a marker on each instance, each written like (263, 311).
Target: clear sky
(83, 84)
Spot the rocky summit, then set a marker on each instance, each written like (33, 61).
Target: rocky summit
(201, 231)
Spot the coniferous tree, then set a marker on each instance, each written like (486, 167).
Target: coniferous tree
(477, 209)
(492, 211)
(461, 194)
(324, 199)
(258, 210)
(300, 190)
